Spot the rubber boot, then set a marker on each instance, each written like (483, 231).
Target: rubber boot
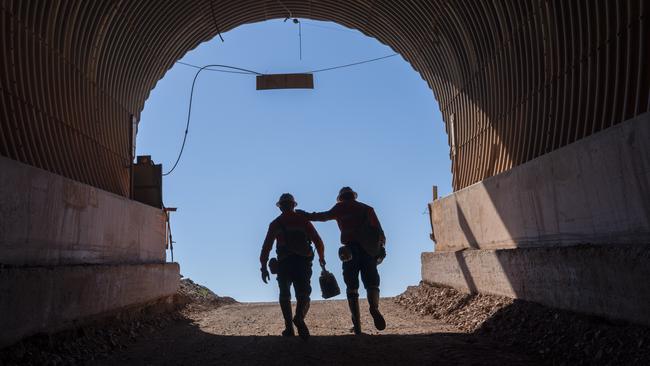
(285, 305)
(373, 301)
(353, 303)
(302, 305)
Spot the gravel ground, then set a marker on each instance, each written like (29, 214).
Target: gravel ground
(427, 325)
(557, 337)
(247, 334)
(84, 345)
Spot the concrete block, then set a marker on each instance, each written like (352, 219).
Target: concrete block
(51, 220)
(48, 299)
(605, 280)
(596, 190)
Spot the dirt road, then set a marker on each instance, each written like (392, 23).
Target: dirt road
(247, 334)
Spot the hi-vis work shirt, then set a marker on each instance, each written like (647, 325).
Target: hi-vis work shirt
(350, 215)
(291, 222)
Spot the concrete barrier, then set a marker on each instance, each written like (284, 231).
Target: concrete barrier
(605, 280)
(570, 229)
(51, 220)
(70, 252)
(48, 299)
(596, 190)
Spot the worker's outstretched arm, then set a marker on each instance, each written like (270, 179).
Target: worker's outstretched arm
(320, 216)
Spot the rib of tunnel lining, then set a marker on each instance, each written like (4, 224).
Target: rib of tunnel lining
(514, 79)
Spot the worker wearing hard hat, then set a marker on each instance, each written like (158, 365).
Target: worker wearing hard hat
(363, 249)
(294, 235)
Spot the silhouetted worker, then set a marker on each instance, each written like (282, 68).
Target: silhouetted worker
(363, 239)
(294, 235)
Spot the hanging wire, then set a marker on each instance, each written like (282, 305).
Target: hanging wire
(316, 25)
(303, 72)
(287, 9)
(239, 70)
(299, 36)
(216, 70)
(214, 18)
(352, 64)
(297, 21)
(189, 109)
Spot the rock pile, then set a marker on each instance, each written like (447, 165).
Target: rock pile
(193, 293)
(466, 312)
(96, 340)
(83, 345)
(557, 336)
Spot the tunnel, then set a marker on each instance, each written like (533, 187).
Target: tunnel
(545, 104)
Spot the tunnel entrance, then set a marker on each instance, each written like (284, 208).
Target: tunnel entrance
(545, 104)
(373, 126)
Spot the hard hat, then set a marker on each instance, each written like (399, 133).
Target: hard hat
(287, 197)
(345, 254)
(345, 190)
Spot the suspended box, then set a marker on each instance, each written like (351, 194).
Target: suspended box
(285, 81)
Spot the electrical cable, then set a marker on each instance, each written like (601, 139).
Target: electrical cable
(312, 24)
(300, 37)
(296, 21)
(350, 65)
(303, 72)
(216, 25)
(224, 71)
(189, 109)
(287, 9)
(239, 70)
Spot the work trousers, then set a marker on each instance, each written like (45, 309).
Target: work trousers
(295, 270)
(361, 263)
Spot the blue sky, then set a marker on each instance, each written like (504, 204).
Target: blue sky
(374, 127)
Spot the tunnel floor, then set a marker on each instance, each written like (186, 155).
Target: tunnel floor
(248, 334)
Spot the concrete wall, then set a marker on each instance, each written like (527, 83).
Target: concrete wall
(48, 220)
(606, 280)
(70, 253)
(596, 190)
(570, 229)
(47, 299)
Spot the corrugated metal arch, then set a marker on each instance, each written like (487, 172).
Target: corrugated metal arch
(518, 78)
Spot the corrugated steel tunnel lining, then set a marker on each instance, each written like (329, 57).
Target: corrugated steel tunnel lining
(514, 79)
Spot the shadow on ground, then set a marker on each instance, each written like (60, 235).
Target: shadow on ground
(558, 337)
(245, 334)
(186, 344)
(426, 326)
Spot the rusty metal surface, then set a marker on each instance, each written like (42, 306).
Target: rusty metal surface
(514, 79)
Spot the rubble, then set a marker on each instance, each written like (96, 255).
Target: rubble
(557, 336)
(82, 345)
(198, 296)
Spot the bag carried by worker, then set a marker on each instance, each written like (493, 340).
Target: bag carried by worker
(328, 285)
(372, 239)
